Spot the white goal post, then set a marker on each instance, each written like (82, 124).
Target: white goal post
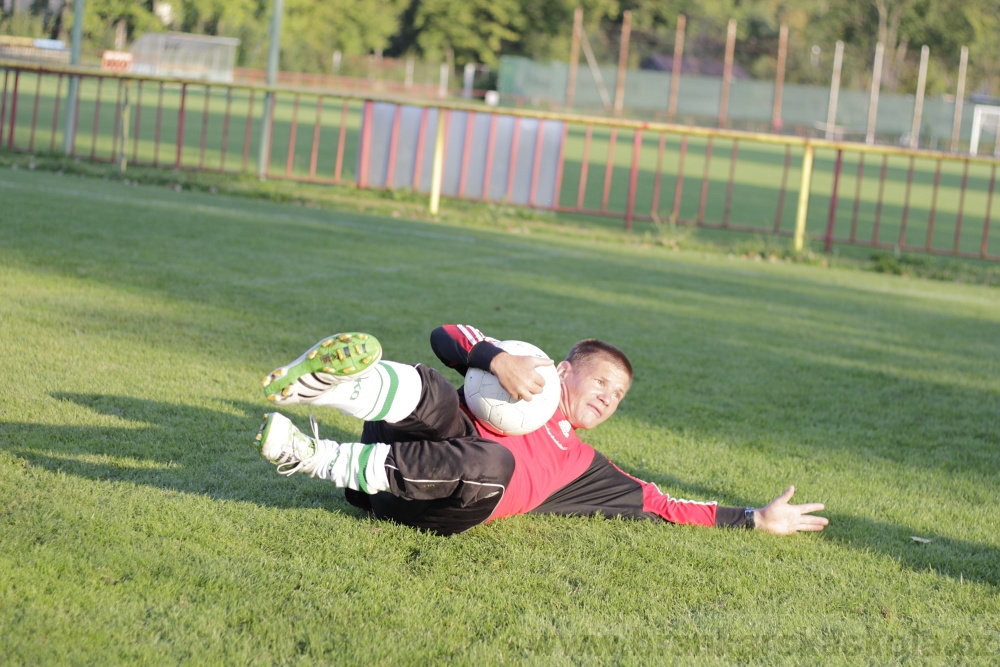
(988, 117)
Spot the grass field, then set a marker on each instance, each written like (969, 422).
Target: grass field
(138, 525)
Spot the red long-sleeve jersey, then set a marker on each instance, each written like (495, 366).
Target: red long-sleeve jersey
(551, 457)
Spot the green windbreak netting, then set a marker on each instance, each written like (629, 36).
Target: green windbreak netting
(804, 108)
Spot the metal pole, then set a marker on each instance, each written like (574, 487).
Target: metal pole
(69, 135)
(779, 79)
(622, 64)
(123, 156)
(918, 106)
(273, 56)
(832, 218)
(675, 74)
(574, 56)
(803, 211)
(873, 96)
(959, 98)
(468, 74)
(443, 81)
(831, 113)
(437, 170)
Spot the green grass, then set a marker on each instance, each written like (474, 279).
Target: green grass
(138, 525)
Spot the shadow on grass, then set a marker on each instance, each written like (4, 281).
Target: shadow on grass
(209, 452)
(176, 447)
(959, 559)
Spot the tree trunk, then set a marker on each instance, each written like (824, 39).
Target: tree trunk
(890, 15)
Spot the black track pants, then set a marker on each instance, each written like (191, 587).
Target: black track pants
(443, 475)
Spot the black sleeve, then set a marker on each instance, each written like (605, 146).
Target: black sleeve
(730, 517)
(456, 355)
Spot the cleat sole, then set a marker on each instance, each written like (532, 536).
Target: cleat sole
(340, 356)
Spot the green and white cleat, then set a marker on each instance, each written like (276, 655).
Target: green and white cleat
(349, 465)
(281, 443)
(332, 361)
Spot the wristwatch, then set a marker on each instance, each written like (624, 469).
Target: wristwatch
(748, 513)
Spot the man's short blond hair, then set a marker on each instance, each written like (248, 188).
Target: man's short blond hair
(590, 348)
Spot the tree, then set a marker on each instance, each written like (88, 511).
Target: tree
(313, 29)
(101, 16)
(467, 30)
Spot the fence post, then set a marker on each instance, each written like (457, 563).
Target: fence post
(803, 210)
(873, 95)
(437, 171)
(779, 79)
(180, 124)
(468, 74)
(574, 56)
(675, 73)
(13, 111)
(622, 63)
(443, 81)
(959, 99)
(364, 145)
(273, 58)
(832, 218)
(918, 106)
(727, 73)
(831, 112)
(633, 178)
(123, 156)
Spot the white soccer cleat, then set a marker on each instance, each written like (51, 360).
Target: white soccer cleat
(350, 465)
(281, 443)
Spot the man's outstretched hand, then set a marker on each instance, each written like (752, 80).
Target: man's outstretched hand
(780, 518)
(517, 374)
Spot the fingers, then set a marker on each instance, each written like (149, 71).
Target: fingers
(812, 528)
(807, 522)
(813, 523)
(527, 391)
(534, 384)
(781, 518)
(810, 507)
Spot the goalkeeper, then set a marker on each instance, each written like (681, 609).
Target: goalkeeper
(424, 461)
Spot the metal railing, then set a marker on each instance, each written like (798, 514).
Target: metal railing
(648, 173)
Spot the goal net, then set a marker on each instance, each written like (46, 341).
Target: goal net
(985, 125)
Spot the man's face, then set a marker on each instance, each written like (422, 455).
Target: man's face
(591, 390)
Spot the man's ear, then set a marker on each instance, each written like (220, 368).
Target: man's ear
(563, 368)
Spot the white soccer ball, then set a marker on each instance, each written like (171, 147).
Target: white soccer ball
(495, 408)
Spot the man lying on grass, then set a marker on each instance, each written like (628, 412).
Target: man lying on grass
(424, 461)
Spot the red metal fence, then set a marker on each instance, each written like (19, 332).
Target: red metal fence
(646, 174)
